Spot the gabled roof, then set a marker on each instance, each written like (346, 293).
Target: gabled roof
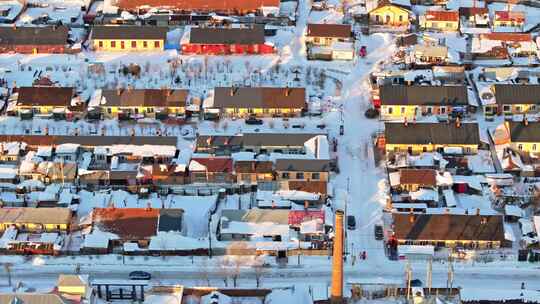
(442, 16)
(516, 16)
(425, 177)
(200, 5)
(90, 140)
(473, 11)
(507, 37)
(303, 165)
(208, 35)
(432, 133)
(423, 95)
(45, 96)
(145, 98)
(27, 35)
(329, 30)
(215, 164)
(448, 227)
(127, 223)
(31, 298)
(259, 97)
(29, 215)
(521, 132)
(123, 32)
(517, 93)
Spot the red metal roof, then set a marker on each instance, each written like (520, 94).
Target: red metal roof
(215, 164)
(442, 15)
(200, 5)
(297, 217)
(127, 223)
(513, 37)
(510, 16)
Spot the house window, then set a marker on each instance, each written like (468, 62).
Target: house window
(113, 44)
(157, 45)
(57, 227)
(429, 110)
(315, 175)
(443, 110)
(424, 149)
(145, 44)
(506, 108)
(467, 150)
(100, 44)
(285, 175)
(316, 40)
(448, 25)
(133, 44)
(150, 110)
(136, 111)
(402, 110)
(532, 108)
(122, 44)
(534, 147)
(390, 110)
(518, 109)
(300, 175)
(377, 19)
(400, 18)
(520, 147)
(109, 110)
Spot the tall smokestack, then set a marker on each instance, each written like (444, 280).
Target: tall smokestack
(336, 296)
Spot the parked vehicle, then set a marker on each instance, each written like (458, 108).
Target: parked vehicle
(379, 233)
(253, 121)
(139, 275)
(351, 222)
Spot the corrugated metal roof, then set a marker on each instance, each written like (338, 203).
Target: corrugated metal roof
(254, 35)
(432, 133)
(50, 35)
(423, 95)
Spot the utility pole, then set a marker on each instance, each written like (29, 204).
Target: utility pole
(408, 277)
(429, 275)
(450, 279)
(210, 236)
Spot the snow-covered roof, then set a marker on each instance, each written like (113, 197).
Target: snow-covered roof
(175, 241)
(513, 210)
(487, 294)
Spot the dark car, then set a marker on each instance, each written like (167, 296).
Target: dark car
(416, 283)
(379, 233)
(139, 275)
(351, 222)
(254, 121)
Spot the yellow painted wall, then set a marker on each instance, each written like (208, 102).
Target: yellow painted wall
(498, 23)
(35, 227)
(440, 25)
(520, 109)
(389, 15)
(528, 147)
(410, 112)
(74, 290)
(417, 149)
(118, 47)
(260, 112)
(113, 111)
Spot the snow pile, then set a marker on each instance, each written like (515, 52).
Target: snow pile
(175, 241)
(502, 295)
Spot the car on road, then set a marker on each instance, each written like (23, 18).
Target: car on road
(416, 283)
(254, 121)
(351, 222)
(379, 233)
(139, 275)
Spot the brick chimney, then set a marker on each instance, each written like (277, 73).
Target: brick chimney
(336, 296)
